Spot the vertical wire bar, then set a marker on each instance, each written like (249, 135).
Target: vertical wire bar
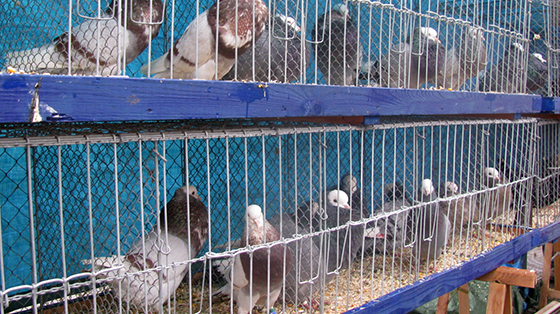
(31, 226)
(90, 217)
(69, 45)
(117, 218)
(62, 238)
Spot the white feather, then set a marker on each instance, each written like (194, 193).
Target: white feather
(136, 285)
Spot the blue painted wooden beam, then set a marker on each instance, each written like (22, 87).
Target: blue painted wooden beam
(119, 98)
(551, 104)
(410, 297)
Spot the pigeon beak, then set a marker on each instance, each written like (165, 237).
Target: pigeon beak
(380, 236)
(346, 206)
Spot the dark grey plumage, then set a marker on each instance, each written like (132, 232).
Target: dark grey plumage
(337, 46)
(464, 61)
(97, 41)
(537, 72)
(412, 63)
(431, 227)
(506, 76)
(394, 227)
(302, 281)
(287, 54)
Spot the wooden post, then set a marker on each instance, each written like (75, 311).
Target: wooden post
(546, 275)
(442, 303)
(556, 266)
(463, 293)
(496, 298)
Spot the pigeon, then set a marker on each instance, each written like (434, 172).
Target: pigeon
(149, 272)
(344, 244)
(493, 203)
(183, 62)
(460, 211)
(287, 55)
(432, 227)
(537, 72)
(395, 226)
(413, 63)
(98, 46)
(464, 61)
(358, 200)
(505, 75)
(337, 46)
(265, 268)
(302, 281)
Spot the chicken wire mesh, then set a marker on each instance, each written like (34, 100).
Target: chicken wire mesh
(467, 45)
(84, 206)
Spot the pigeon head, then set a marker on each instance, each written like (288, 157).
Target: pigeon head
(349, 183)
(539, 57)
(427, 187)
(255, 216)
(338, 198)
(475, 33)
(281, 21)
(341, 9)
(492, 176)
(422, 34)
(192, 191)
(448, 188)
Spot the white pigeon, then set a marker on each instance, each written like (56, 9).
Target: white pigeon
(98, 46)
(266, 269)
(193, 56)
(135, 277)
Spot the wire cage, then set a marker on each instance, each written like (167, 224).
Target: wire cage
(73, 194)
(458, 45)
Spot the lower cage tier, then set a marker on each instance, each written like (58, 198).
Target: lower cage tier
(243, 216)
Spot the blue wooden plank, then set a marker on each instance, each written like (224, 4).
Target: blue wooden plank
(120, 98)
(410, 297)
(551, 104)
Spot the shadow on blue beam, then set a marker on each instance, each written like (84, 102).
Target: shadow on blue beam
(84, 98)
(551, 104)
(410, 297)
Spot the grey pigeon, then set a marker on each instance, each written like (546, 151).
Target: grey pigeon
(338, 48)
(432, 227)
(187, 60)
(394, 227)
(505, 76)
(412, 63)
(302, 281)
(537, 72)
(459, 211)
(494, 203)
(265, 268)
(104, 42)
(344, 244)
(287, 54)
(135, 277)
(464, 61)
(358, 199)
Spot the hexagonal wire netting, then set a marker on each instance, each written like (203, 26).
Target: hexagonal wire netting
(476, 45)
(92, 191)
